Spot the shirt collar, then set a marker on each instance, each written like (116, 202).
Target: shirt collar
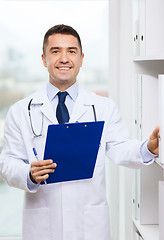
(72, 91)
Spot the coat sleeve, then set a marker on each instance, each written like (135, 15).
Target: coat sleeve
(14, 165)
(119, 147)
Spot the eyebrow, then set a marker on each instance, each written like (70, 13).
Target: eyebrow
(54, 48)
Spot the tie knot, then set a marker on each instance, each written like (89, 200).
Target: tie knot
(62, 96)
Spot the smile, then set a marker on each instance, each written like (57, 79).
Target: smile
(64, 68)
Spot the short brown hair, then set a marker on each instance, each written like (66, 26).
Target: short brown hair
(60, 29)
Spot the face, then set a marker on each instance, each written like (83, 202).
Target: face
(63, 60)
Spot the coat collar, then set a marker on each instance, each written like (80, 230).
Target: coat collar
(85, 98)
(41, 98)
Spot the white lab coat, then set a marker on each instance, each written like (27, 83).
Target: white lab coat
(73, 210)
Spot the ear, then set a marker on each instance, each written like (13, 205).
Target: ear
(44, 60)
(82, 57)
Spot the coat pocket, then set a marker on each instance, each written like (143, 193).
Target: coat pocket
(97, 223)
(36, 224)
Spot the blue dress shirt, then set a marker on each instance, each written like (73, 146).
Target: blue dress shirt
(70, 98)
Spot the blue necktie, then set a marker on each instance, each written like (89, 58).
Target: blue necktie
(61, 110)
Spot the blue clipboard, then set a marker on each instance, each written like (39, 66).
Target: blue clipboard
(74, 147)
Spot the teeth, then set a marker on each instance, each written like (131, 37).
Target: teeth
(64, 68)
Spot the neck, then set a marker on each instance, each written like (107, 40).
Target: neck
(62, 86)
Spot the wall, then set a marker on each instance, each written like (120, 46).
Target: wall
(126, 67)
(112, 169)
(120, 89)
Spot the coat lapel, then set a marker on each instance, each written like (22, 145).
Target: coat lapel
(45, 106)
(48, 111)
(80, 107)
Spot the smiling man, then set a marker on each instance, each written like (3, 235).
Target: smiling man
(63, 57)
(76, 210)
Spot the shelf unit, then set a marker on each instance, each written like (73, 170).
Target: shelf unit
(149, 58)
(148, 64)
(147, 231)
(147, 28)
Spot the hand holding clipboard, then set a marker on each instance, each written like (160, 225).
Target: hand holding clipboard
(74, 147)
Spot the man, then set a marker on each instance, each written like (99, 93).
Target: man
(76, 210)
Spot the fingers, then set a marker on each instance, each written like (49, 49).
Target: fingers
(40, 170)
(153, 143)
(42, 163)
(155, 133)
(38, 179)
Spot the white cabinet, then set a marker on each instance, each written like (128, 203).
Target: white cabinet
(145, 105)
(148, 64)
(148, 207)
(161, 210)
(161, 117)
(145, 198)
(146, 180)
(148, 25)
(139, 27)
(141, 61)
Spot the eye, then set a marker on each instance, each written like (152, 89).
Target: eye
(72, 51)
(55, 51)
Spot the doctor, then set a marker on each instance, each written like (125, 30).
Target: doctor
(75, 210)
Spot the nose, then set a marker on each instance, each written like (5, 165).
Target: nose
(64, 58)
